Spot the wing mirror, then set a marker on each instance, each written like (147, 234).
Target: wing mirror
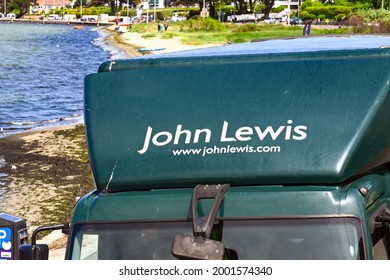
(35, 251)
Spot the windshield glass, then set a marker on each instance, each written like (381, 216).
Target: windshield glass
(325, 238)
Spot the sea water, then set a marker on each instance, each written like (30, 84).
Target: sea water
(42, 71)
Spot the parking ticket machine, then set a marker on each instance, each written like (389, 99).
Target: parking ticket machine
(13, 233)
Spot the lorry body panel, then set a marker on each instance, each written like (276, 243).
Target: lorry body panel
(181, 115)
(263, 201)
(246, 201)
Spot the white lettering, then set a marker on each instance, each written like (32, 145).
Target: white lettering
(180, 132)
(223, 135)
(147, 140)
(288, 130)
(163, 134)
(241, 134)
(268, 130)
(300, 131)
(199, 131)
(242, 131)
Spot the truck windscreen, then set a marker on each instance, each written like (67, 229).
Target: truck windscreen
(314, 238)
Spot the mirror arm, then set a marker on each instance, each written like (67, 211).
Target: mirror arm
(202, 226)
(384, 217)
(199, 246)
(64, 227)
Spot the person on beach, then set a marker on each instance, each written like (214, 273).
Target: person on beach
(160, 27)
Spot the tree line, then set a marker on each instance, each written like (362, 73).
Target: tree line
(309, 8)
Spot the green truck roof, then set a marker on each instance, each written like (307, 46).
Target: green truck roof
(300, 111)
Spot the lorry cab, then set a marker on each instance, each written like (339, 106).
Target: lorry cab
(217, 154)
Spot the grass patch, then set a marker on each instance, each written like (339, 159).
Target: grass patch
(149, 35)
(167, 35)
(199, 32)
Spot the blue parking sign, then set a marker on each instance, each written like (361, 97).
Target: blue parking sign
(5, 243)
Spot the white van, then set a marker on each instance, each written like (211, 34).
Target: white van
(53, 17)
(103, 18)
(11, 15)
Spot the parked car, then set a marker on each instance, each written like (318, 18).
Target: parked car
(295, 21)
(53, 17)
(178, 18)
(245, 18)
(269, 20)
(11, 15)
(283, 19)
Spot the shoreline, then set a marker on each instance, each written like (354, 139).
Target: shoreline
(129, 42)
(111, 40)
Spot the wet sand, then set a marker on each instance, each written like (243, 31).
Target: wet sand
(46, 171)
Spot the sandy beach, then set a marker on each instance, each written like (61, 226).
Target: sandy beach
(130, 42)
(48, 170)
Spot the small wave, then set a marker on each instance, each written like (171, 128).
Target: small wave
(40, 122)
(11, 128)
(2, 175)
(2, 161)
(17, 123)
(101, 42)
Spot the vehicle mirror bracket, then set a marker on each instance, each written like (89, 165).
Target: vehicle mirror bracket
(64, 227)
(36, 251)
(384, 217)
(202, 226)
(199, 246)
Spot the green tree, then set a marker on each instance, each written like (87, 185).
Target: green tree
(22, 6)
(243, 5)
(268, 7)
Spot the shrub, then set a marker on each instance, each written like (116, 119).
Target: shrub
(250, 27)
(278, 9)
(340, 17)
(162, 15)
(322, 17)
(304, 15)
(328, 11)
(382, 26)
(202, 24)
(370, 22)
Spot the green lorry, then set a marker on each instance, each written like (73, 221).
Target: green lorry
(275, 149)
